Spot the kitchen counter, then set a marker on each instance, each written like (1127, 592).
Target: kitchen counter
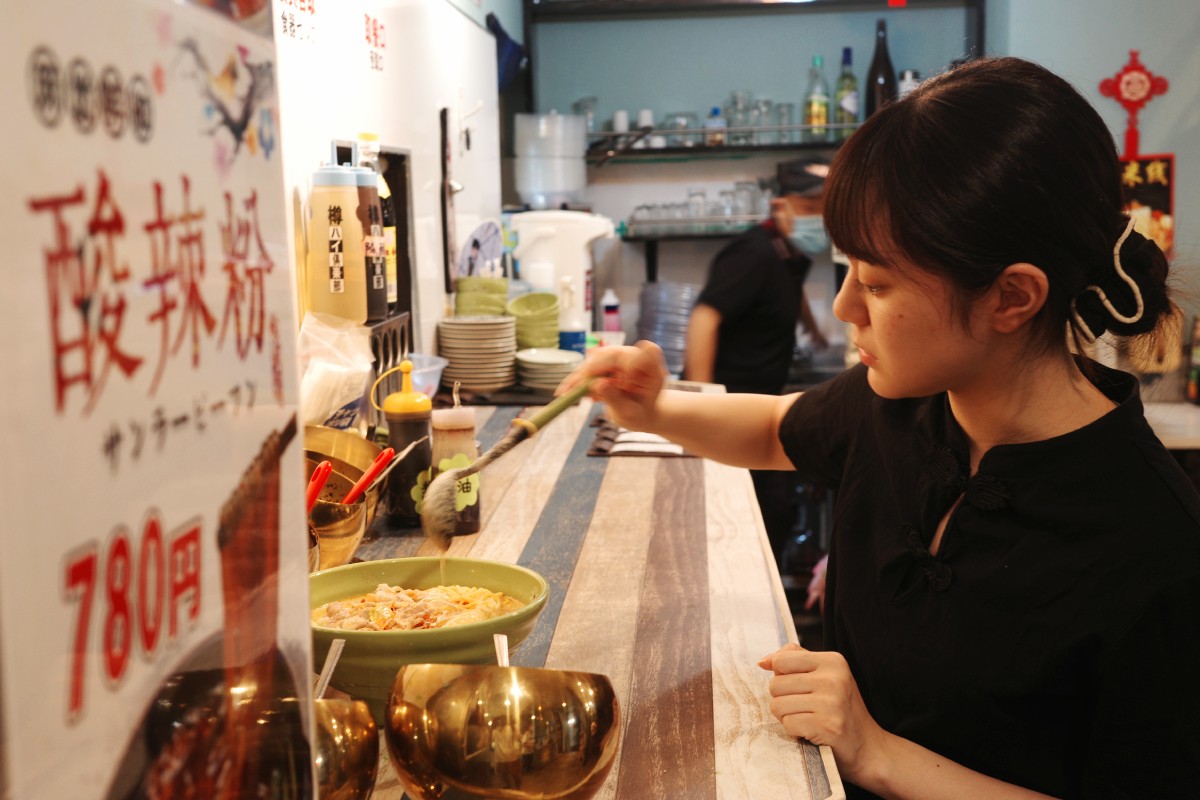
(662, 579)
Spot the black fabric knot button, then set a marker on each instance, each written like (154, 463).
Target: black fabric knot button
(912, 537)
(939, 575)
(936, 572)
(943, 467)
(987, 493)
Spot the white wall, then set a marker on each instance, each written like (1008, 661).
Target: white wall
(435, 56)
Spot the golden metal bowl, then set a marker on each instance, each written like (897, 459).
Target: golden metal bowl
(350, 455)
(339, 526)
(459, 732)
(347, 749)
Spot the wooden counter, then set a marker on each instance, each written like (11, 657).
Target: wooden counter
(661, 578)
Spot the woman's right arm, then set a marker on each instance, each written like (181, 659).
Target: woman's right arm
(737, 429)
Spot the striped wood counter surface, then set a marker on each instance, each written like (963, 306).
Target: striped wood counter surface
(661, 578)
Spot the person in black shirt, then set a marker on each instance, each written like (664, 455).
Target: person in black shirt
(1012, 605)
(742, 330)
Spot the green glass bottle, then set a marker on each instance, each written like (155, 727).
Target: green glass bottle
(816, 103)
(845, 97)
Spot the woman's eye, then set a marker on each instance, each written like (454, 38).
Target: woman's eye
(870, 288)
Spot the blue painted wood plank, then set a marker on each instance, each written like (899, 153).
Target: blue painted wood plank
(554, 545)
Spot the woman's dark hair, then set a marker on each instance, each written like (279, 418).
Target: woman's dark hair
(996, 162)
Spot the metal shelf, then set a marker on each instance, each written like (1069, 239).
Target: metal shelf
(620, 147)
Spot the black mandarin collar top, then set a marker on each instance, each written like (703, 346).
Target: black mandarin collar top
(1059, 570)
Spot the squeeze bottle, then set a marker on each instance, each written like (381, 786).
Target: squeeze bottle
(454, 446)
(572, 332)
(612, 311)
(408, 415)
(336, 280)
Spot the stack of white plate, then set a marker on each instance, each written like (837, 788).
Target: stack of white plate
(545, 368)
(480, 351)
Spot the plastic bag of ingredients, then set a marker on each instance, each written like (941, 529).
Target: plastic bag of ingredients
(335, 363)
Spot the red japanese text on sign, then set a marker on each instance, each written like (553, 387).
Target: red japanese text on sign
(88, 278)
(375, 32)
(132, 592)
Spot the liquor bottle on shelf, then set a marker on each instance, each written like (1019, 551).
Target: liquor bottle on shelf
(370, 156)
(909, 80)
(881, 77)
(816, 103)
(845, 97)
(714, 128)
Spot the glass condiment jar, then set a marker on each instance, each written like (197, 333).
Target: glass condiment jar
(454, 446)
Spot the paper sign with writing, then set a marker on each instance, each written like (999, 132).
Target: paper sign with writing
(153, 592)
(1148, 184)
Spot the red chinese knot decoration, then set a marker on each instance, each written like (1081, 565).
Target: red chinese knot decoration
(1133, 87)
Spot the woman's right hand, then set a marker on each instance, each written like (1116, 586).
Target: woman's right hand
(627, 379)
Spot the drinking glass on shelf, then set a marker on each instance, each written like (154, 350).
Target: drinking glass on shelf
(680, 125)
(766, 193)
(745, 199)
(761, 116)
(725, 208)
(677, 216)
(785, 115)
(586, 107)
(697, 204)
(738, 114)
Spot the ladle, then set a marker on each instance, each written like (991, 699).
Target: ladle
(381, 461)
(316, 483)
(437, 506)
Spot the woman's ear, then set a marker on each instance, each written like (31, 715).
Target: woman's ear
(1018, 293)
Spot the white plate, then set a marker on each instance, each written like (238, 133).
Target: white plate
(503, 336)
(544, 374)
(478, 323)
(482, 386)
(455, 371)
(478, 348)
(547, 356)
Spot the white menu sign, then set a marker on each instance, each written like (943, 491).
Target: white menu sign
(154, 635)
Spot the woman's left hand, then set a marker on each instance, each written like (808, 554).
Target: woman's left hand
(815, 697)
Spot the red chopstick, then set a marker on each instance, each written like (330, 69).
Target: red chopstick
(376, 467)
(316, 483)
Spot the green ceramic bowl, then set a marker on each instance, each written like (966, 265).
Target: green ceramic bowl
(370, 659)
(480, 283)
(533, 304)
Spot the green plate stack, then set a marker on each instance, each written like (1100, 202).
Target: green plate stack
(537, 319)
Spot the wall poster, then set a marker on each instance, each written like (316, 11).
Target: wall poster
(154, 634)
(1148, 183)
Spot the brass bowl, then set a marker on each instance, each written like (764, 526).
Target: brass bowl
(347, 749)
(350, 455)
(459, 731)
(339, 526)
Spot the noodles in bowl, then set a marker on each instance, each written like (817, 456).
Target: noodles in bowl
(394, 608)
(370, 658)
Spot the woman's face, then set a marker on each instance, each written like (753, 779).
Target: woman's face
(908, 332)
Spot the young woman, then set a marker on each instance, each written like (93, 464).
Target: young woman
(1013, 594)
